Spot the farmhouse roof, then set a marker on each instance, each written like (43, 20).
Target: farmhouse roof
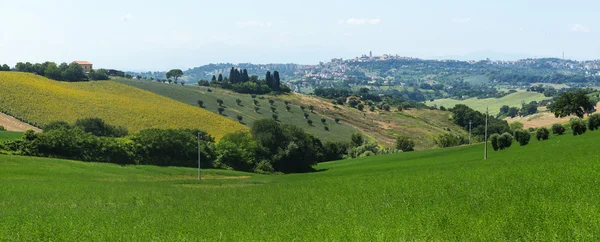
(82, 62)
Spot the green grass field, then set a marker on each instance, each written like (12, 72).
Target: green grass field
(544, 191)
(512, 100)
(5, 135)
(191, 95)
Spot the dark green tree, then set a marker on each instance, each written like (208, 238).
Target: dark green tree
(572, 103)
(175, 74)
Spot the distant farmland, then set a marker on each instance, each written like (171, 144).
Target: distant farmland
(512, 100)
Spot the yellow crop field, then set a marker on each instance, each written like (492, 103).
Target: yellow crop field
(39, 100)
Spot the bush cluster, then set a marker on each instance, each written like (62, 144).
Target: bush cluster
(522, 136)
(501, 142)
(578, 126)
(558, 129)
(542, 134)
(450, 140)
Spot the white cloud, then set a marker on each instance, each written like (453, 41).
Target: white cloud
(360, 21)
(126, 17)
(461, 20)
(580, 28)
(254, 24)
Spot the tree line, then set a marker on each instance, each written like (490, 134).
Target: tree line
(239, 81)
(268, 147)
(64, 72)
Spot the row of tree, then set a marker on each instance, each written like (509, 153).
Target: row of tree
(63, 72)
(239, 81)
(525, 110)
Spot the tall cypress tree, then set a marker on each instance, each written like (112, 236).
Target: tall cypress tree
(232, 78)
(214, 79)
(269, 80)
(276, 81)
(220, 79)
(245, 77)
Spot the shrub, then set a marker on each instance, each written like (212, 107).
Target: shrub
(594, 122)
(505, 141)
(220, 102)
(209, 90)
(236, 151)
(302, 107)
(523, 137)
(2, 128)
(558, 129)
(56, 125)
(360, 106)
(273, 109)
(256, 109)
(311, 108)
(450, 140)
(240, 118)
(288, 108)
(495, 140)
(335, 150)
(238, 101)
(98, 127)
(310, 122)
(404, 144)
(275, 116)
(256, 102)
(326, 128)
(578, 126)
(337, 120)
(372, 108)
(286, 102)
(542, 134)
(532, 129)
(253, 95)
(271, 101)
(221, 109)
(515, 126)
(200, 103)
(323, 120)
(306, 115)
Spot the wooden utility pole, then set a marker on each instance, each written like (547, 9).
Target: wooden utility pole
(198, 156)
(486, 133)
(470, 132)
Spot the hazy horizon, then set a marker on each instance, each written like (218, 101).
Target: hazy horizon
(155, 35)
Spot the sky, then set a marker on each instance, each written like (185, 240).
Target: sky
(154, 35)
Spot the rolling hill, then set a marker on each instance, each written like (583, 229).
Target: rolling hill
(191, 95)
(512, 100)
(38, 101)
(421, 125)
(547, 190)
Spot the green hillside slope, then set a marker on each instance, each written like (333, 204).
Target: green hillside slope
(39, 100)
(544, 191)
(512, 100)
(191, 95)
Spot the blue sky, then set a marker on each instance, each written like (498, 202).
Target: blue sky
(158, 35)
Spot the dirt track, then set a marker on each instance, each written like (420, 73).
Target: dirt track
(12, 124)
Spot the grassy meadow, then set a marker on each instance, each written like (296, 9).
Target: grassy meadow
(6, 135)
(544, 191)
(191, 95)
(39, 100)
(512, 100)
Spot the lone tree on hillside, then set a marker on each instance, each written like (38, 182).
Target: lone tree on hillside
(240, 118)
(310, 122)
(271, 101)
(256, 102)
(573, 103)
(404, 144)
(558, 129)
(305, 115)
(337, 120)
(175, 74)
(323, 120)
(201, 103)
(273, 109)
(311, 108)
(221, 110)
(238, 101)
(288, 108)
(220, 102)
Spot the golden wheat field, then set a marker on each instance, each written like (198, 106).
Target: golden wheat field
(39, 100)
